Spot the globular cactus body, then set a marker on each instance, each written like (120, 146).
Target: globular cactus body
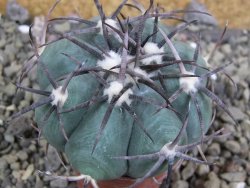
(122, 98)
(120, 137)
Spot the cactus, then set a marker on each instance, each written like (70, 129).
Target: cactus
(123, 97)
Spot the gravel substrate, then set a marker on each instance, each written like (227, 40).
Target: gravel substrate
(22, 155)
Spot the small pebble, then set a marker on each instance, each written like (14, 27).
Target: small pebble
(16, 174)
(18, 44)
(202, 170)
(214, 149)
(28, 172)
(16, 12)
(9, 28)
(234, 176)
(248, 180)
(246, 128)
(213, 182)
(226, 48)
(188, 171)
(233, 146)
(10, 50)
(3, 166)
(39, 182)
(11, 70)
(223, 184)
(22, 155)
(3, 163)
(180, 184)
(15, 166)
(237, 185)
(24, 29)
(202, 18)
(20, 184)
(246, 94)
(9, 138)
(226, 154)
(9, 90)
(244, 146)
(3, 57)
(11, 107)
(32, 148)
(176, 176)
(237, 113)
(58, 183)
(10, 158)
(2, 41)
(25, 164)
(218, 56)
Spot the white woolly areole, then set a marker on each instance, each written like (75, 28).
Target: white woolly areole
(114, 89)
(108, 21)
(189, 84)
(110, 61)
(59, 96)
(168, 153)
(112, 23)
(152, 48)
